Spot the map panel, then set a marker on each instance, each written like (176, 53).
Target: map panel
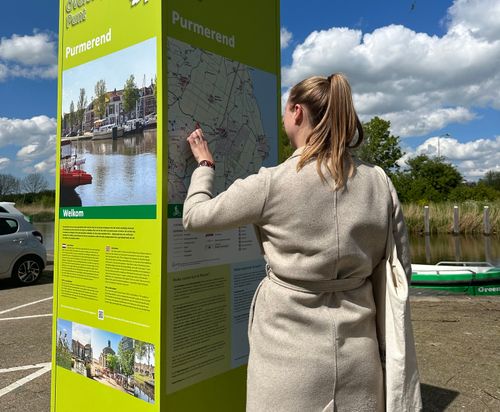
(219, 95)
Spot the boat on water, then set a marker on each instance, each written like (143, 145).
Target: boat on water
(150, 121)
(472, 278)
(133, 126)
(110, 131)
(71, 173)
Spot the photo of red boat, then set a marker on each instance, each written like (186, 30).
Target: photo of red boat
(71, 174)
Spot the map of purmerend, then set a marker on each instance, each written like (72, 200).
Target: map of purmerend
(217, 94)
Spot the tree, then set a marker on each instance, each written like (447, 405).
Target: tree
(477, 192)
(492, 179)
(130, 94)
(112, 362)
(34, 183)
(154, 84)
(100, 99)
(9, 185)
(80, 108)
(287, 148)
(144, 349)
(126, 356)
(426, 179)
(72, 117)
(380, 147)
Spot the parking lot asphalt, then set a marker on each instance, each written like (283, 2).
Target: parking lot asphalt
(25, 344)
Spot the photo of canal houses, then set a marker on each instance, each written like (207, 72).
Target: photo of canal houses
(119, 362)
(108, 139)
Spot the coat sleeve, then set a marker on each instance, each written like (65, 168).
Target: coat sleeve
(241, 204)
(399, 231)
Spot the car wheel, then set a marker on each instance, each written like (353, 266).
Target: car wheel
(27, 270)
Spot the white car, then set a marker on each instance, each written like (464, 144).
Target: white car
(9, 207)
(22, 253)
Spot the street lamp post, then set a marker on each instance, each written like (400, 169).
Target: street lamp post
(439, 147)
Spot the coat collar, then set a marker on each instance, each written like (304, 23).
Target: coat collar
(297, 152)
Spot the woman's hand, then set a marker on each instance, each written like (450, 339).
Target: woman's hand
(199, 146)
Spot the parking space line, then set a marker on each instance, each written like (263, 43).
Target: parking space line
(45, 367)
(23, 306)
(24, 368)
(28, 317)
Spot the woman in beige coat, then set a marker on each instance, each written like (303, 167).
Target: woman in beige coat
(322, 221)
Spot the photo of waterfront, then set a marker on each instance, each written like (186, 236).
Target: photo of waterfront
(108, 153)
(113, 360)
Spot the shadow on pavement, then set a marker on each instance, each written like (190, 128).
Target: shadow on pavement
(436, 399)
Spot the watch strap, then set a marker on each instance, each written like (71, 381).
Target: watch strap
(207, 163)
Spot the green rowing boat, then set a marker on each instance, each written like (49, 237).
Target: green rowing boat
(472, 278)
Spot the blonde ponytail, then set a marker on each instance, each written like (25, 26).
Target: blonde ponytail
(334, 121)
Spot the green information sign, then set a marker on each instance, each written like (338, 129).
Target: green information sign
(147, 316)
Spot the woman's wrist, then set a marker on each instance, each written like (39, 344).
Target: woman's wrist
(207, 163)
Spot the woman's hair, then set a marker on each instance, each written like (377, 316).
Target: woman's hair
(334, 121)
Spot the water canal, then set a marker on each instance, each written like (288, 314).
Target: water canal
(123, 171)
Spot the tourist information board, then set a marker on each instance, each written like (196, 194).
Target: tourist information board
(148, 316)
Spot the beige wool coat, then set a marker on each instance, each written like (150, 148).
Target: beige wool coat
(313, 342)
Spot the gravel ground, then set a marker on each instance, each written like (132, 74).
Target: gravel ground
(457, 338)
(458, 350)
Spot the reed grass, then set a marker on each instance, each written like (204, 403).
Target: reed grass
(441, 217)
(38, 212)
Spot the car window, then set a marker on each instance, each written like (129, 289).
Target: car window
(7, 226)
(3, 210)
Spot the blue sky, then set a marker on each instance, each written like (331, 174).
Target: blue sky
(430, 67)
(114, 68)
(100, 339)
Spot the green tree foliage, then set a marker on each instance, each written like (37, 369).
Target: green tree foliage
(72, 116)
(426, 179)
(491, 179)
(287, 148)
(478, 192)
(63, 353)
(380, 147)
(80, 108)
(130, 94)
(154, 84)
(144, 350)
(100, 99)
(113, 362)
(126, 356)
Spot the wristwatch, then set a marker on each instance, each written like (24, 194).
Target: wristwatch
(207, 163)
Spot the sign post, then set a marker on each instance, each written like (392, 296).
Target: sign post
(149, 317)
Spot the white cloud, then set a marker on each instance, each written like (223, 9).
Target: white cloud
(42, 72)
(285, 37)
(418, 81)
(39, 158)
(35, 140)
(39, 49)
(4, 72)
(4, 161)
(81, 333)
(28, 56)
(27, 150)
(420, 122)
(45, 166)
(22, 132)
(478, 16)
(473, 159)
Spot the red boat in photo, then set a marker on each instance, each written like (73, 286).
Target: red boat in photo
(71, 173)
